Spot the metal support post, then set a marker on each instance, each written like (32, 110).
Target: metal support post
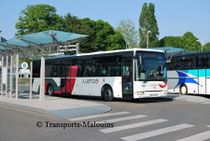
(31, 73)
(77, 48)
(2, 65)
(17, 75)
(42, 79)
(11, 62)
(6, 82)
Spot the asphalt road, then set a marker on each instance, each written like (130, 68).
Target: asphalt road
(149, 120)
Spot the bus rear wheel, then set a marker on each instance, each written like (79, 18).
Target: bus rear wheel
(107, 94)
(183, 89)
(50, 90)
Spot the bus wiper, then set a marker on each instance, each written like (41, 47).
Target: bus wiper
(145, 81)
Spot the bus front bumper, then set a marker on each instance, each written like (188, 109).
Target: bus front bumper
(149, 94)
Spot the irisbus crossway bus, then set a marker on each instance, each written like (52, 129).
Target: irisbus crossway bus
(189, 73)
(131, 73)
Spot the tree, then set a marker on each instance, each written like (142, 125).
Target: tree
(188, 41)
(37, 18)
(128, 31)
(172, 41)
(148, 22)
(102, 35)
(191, 42)
(206, 46)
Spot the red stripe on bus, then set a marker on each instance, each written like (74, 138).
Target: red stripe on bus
(70, 82)
(74, 75)
(163, 86)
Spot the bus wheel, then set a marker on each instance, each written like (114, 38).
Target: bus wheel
(183, 89)
(50, 89)
(108, 94)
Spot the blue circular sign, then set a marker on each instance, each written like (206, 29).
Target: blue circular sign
(24, 65)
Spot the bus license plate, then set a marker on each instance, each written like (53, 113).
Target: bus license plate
(153, 94)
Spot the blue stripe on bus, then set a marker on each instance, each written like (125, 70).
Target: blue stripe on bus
(191, 72)
(207, 72)
(185, 78)
(202, 73)
(198, 73)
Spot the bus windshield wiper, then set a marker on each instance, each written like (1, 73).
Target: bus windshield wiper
(145, 81)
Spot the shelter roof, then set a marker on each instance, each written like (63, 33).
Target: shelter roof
(40, 40)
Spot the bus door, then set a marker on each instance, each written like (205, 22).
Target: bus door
(127, 78)
(68, 81)
(202, 63)
(202, 81)
(64, 73)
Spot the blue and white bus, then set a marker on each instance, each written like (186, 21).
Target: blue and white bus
(189, 73)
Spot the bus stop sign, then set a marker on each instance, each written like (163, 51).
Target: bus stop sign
(24, 65)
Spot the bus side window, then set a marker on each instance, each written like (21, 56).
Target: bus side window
(208, 60)
(87, 69)
(194, 60)
(202, 61)
(107, 66)
(181, 62)
(173, 64)
(80, 71)
(36, 68)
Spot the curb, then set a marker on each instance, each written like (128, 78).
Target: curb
(66, 113)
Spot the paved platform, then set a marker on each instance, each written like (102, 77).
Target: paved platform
(58, 106)
(71, 107)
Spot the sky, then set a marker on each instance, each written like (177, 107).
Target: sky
(174, 17)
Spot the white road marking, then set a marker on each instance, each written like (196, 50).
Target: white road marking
(130, 126)
(198, 137)
(156, 132)
(122, 119)
(99, 116)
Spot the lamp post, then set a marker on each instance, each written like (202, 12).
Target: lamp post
(0, 35)
(148, 38)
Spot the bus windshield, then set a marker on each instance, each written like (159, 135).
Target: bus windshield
(150, 66)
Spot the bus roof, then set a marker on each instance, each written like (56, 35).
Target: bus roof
(186, 53)
(104, 52)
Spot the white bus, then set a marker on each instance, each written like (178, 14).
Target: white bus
(189, 73)
(131, 73)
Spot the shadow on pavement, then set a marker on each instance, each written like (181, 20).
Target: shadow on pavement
(99, 99)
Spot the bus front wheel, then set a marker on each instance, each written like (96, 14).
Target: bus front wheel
(50, 90)
(183, 89)
(107, 94)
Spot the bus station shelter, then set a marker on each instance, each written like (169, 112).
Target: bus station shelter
(41, 44)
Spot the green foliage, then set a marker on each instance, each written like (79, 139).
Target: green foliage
(102, 35)
(115, 41)
(191, 42)
(171, 41)
(148, 22)
(188, 41)
(36, 18)
(206, 46)
(128, 31)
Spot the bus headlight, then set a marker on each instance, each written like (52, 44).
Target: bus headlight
(165, 92)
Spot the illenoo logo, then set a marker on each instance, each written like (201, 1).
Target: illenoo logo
(93, 81)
